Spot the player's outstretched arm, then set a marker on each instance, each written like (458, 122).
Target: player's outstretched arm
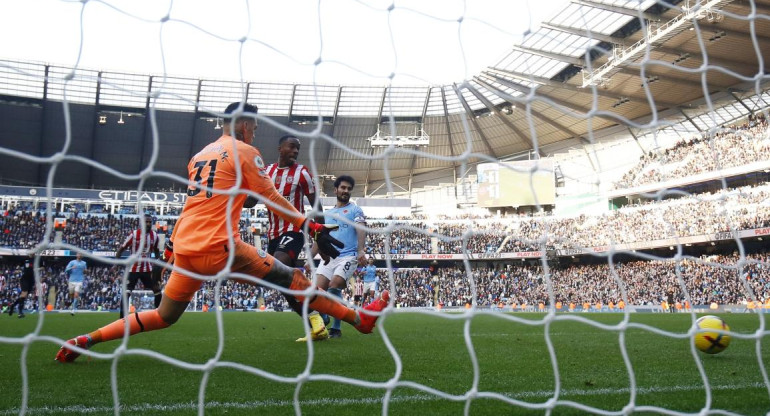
(324, 242)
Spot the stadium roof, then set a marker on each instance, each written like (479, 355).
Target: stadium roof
(595, 64)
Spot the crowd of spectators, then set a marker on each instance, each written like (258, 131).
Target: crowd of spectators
(694, 215)
(21, 229)
(101, 288)
(479, 237)
(726, 148)
(103, 233)
(403, 237)
(724, 279)
(703, 214)
(715, 278)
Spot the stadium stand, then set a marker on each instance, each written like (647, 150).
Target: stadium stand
(507, 283)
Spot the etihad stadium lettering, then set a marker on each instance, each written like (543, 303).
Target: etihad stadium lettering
(135, 196)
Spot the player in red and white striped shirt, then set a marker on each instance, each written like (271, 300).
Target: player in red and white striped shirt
(294, 182)
(285, 241)
(142, 269)
(358, 291)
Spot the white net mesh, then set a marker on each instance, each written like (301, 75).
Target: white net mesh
(707, 126)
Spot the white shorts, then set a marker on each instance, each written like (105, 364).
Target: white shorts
(341, 266)
(370, 287)
(74, 287)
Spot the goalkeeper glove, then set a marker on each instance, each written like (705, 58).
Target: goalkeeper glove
(326, 243)
(168, 250)
(250, 202)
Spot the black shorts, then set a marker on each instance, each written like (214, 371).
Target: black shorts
(27, 284)
(290, 243)
(145, 277)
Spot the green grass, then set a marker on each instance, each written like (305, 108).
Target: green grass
(513, 361)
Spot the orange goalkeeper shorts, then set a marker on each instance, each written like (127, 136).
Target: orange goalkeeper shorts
(247, 260)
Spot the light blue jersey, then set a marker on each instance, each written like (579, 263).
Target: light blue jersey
(370, 273)
(75, 270)
(347, 232)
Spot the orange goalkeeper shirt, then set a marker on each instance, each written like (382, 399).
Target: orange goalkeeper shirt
(202, 227)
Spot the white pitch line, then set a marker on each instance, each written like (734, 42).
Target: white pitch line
(345, 402)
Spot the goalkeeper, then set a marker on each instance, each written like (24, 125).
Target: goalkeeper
(203, 242)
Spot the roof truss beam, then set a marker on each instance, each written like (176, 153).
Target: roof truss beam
(555, 84)
(558, 126)
(550, 55)
(618, 9)
(334, 126)
(333, 134)
(199, 88)
(636, 139)
(527, 90)
(522, 137)
(690, 120)
(446, 122)
(414, 156)
(731, 32)
(585, 33)
(657, 34)
(698, 56)
(741, 102)
(371, 152)
(473, 120)
(649, 73)
(621, 41)
(760, 8)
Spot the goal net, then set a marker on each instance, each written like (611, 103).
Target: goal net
(577, 201)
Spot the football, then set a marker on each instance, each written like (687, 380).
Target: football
(711, 342)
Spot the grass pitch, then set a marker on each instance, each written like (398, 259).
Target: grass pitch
(433, 372)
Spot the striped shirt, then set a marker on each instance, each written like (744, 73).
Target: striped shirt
(294, 183)
(150, 244)
(359, 288)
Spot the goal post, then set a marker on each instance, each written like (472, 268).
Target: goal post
(141, 300)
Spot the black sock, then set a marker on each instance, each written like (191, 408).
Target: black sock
(294, 304)
(21, 301)
(158, 297)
